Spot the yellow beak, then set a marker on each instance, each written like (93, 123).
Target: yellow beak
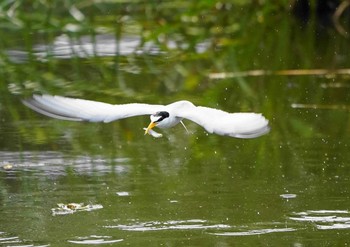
(150, 126)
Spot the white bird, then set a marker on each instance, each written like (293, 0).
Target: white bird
(240, 125)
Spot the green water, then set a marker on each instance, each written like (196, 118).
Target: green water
(287, 188)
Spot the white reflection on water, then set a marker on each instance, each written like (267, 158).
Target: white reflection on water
(254, 232)
(193, 224)
(6, 240)
(288, 196)
(198, 224)
(123, 193)
(102, 45)
(94, 239)
(346, 225)
(325, 219)
(55, 163)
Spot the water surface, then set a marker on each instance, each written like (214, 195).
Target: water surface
(69, 183)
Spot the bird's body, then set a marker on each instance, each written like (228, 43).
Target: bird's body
(240, 125)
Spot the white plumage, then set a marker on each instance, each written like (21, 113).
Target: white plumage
(240, 125)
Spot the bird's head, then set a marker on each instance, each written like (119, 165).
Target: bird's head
(156, 120)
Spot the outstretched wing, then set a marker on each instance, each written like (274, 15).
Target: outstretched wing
(240, 125)
(86, 110)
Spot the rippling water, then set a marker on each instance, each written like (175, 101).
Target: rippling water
(192, 204)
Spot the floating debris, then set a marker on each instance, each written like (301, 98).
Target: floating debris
(7, 166)
(123, 193)
(288, 196)
(71, 208)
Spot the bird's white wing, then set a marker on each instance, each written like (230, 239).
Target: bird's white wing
(86, 110)
(240, 125)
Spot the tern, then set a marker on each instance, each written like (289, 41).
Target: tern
(240, 125)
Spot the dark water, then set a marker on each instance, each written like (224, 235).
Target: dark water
(182, 190)
(287, 188)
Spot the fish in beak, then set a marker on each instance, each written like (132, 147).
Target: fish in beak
(150, 127)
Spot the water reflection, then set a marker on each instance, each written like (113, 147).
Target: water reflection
(95, 240)
(173, 192)
(8, 240)
(55, 163)
(102, 45)
(324, 219)
(255, 232)
(193, 224)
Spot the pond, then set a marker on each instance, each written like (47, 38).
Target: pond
(77, 183)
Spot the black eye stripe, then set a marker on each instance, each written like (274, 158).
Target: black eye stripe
(162, 114)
